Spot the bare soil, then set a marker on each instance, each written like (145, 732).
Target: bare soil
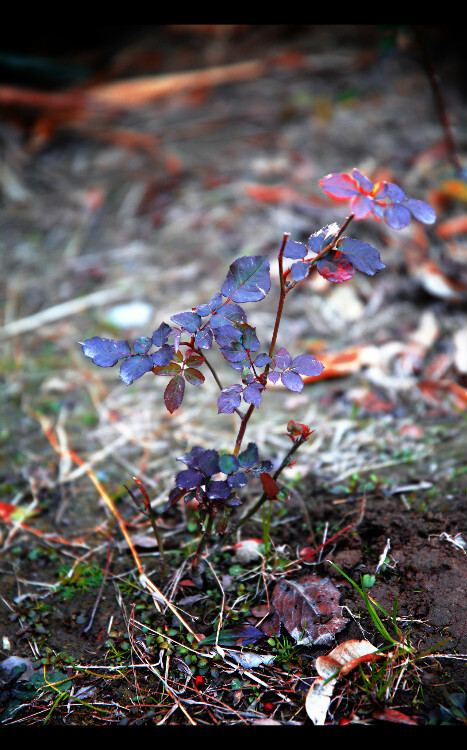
(90, 205)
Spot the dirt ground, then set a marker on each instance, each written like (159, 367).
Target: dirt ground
(114, 219)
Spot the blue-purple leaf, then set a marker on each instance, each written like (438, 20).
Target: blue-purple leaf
(252, 394)
(237, 480)
(421, 210)
(135, 367)
(228, 314)
(142, 345)
(160, 336)
(203, 338)
(163, 356)
(362, 256)
(299, 271)
(248, 279)
(189, 321)
(188, 479)
(262, 360)
(292, 381)
(191, 459)
(282, 359)
(218, 490)
(229, 400)
(209, 462)
(307, 364)
(210, 306)
(295, 250)
(318, 241)
(105, 352)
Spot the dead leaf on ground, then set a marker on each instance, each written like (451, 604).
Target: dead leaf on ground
(308, 608)
(331, 667)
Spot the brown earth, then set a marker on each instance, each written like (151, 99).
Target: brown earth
(151, 205)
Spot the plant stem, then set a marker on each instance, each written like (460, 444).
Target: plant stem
(285, 462)
(204, 538)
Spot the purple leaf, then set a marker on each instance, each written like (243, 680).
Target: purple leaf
(299, 271)
(247, 279)
(292, 381)
(339, 186)
(160, 336)
(237, 480)
(209, 462)
(421, 210)
(188, 479)
(203, 338)
(282, 358)
(135, 367)
(274, 377)
(210, 306)
(362, 256)
(163, 356)
(307, 364)
(252, 394)
(142, 345)
(173, 394)
(218, 490)
(262, 360)
(397, 216)
(318, 241)
(191, 459)
(229, 400)
(227, 315)
(189, 321)
(105, 352)
(295, 250)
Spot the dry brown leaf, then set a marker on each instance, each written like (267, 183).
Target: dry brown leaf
(308, 608)
(342, 659)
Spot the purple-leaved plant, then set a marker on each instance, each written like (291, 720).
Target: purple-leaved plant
(177, 350)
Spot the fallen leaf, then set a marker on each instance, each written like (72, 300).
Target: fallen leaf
(308, 608)
(396, 717)
(331, 667)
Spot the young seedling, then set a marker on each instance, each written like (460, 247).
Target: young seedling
(177, 350)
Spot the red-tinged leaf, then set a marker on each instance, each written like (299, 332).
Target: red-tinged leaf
(395, 717)
(336, 270)
(269, 486)
(168, 370)
(195, 377)
(194, 360)
(173, 395)
(6, 509)
(339, 186)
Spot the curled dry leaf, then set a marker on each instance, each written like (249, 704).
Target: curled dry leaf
(309, 609)
(341, 660)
